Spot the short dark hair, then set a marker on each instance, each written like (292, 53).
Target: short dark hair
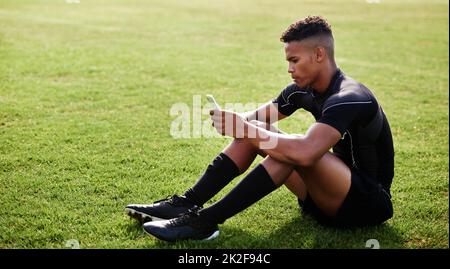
(308, 27)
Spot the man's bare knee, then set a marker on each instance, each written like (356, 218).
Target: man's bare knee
(266, 126)
(277, 170)
(247, 145)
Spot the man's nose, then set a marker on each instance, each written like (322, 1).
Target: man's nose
(290, 70)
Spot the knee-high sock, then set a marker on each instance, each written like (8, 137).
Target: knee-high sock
(217, 175)
(251, 189)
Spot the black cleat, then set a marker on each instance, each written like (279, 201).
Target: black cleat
(189, 226)
(169, 208)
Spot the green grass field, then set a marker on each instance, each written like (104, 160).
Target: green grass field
(86, 90)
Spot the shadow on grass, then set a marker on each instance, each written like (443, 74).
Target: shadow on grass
(301, 232)
(306, 233)
(133, 229)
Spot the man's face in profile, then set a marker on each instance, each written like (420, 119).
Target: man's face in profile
(302, 67)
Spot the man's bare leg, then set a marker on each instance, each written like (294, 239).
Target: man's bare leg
(242, 153)
(296, 185)
(327, 181)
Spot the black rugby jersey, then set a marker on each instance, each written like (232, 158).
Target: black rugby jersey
(352, 109)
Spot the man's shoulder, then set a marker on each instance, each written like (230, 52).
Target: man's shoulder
(349, 84)
(350, 91)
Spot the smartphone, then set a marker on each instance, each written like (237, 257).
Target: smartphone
(211, 99)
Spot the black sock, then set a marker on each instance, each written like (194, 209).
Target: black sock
(217, 175)
(251, 189)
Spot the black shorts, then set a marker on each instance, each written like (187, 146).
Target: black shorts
(366, 204)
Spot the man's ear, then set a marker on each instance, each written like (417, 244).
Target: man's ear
(320, 54)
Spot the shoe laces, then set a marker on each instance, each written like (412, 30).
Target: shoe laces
(171, 199)
(189, 218)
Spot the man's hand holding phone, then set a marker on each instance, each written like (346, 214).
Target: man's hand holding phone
(227, 123)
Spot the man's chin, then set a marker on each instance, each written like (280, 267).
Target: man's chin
(300, 85)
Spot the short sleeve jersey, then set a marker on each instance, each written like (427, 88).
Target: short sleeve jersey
(352, 109)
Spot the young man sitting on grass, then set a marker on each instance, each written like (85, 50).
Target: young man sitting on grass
(348, 187)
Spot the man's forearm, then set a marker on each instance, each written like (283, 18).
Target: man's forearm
(282, 147)
(266, 113)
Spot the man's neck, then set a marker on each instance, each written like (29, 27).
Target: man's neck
(324, 79)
